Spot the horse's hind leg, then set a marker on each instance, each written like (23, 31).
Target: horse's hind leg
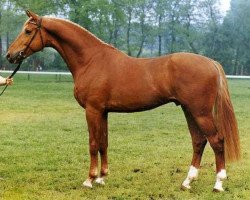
(199, 143)
(208, 128)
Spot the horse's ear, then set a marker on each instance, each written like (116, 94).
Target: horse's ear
(32, 14)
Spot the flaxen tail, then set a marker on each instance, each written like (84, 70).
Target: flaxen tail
(225, 119)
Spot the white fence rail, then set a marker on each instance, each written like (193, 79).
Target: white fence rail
(37, 72)
(237, 77)
(68, 73)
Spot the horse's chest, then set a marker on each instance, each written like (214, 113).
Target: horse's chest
(80, 95)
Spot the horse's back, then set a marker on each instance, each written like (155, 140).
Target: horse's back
(140, 84)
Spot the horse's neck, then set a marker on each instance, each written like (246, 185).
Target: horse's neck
(75, 44)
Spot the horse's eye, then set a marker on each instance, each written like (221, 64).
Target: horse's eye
(28, 32)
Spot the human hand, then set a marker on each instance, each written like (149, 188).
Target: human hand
(9, 81)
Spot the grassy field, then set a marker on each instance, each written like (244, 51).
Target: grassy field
(44, 148)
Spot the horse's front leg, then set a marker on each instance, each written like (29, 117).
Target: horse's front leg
(97, 125)
(103, 150)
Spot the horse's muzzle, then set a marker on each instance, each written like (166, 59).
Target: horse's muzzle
(15, 58)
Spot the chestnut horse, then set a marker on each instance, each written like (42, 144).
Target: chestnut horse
(107, 80)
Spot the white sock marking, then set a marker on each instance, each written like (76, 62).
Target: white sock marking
(192, 175)
(87, 183)
(219, 180)
(100, 180)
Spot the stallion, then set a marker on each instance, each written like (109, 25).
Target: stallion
(107, 80)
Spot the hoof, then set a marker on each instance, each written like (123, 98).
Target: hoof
(87, 184)
(185, 187)
(217, 190)
(100, 181)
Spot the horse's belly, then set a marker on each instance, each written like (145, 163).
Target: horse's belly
(135, 103)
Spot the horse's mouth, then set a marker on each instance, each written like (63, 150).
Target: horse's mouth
(16, 58)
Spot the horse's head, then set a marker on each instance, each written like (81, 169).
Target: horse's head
(29, 40)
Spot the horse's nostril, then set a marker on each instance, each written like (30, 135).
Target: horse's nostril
(7, 55)
(21, 53)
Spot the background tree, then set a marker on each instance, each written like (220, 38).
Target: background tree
(236, 38)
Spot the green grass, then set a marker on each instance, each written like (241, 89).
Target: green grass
(44, 148)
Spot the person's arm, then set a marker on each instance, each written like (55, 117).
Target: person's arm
(5, 81)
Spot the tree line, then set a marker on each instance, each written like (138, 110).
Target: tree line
(142, 28)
